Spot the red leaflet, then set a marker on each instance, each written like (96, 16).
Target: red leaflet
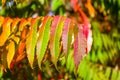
(55, 36)
(86, 29)
(85, 21)
(53, 27)
(84, 18)
(80, 45)
(67, 35)
(74, 4)
(52, 34)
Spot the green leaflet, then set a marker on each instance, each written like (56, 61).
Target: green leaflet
(96, 77)
(56, 4)
(43, 39)
(81, 68)
(4, 57)
(100, 57)
(42, 1)
(107, 72)
(93, 57)
(31, 40)
(1, 72)
(118, 78)
(90, 74)
(114, 74)
(70, 61)
(55, 35)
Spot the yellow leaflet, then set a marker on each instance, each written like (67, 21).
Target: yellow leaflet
(11, 52)
(1, 21)
(3, 2)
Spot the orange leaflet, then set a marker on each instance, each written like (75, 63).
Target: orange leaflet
(5, 31)
(14, 24)
(75, 4)
(24, 33)
(21, 47)
(90, 8)
(23, 23)
(83, 16)
(39, 76)
(20, 57)
(22, 43)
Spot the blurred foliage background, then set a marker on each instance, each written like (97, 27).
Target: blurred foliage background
(102, 62)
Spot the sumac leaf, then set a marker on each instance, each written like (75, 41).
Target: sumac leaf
(67, 35)
(3, 2)
(84, 18)
(22, 43)
(55, 35)
(24, 23)
(14, 25)
(90, 8)
(1, 22)
(31, 40)
(80, 45)
(10, 53)
(42, 42)
(56, 4)
(5, 31)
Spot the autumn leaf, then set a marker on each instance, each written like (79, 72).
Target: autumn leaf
(75, 4)
(90, 8)
(80, 45)
(55, 35)
(5, 31)
(42, 42)
(14, 25)
(67, 35)
(3, 2)
(23, 23)
(21, 47)
(10, 53)
(31, 40)
(56, 4)
(1, 21)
